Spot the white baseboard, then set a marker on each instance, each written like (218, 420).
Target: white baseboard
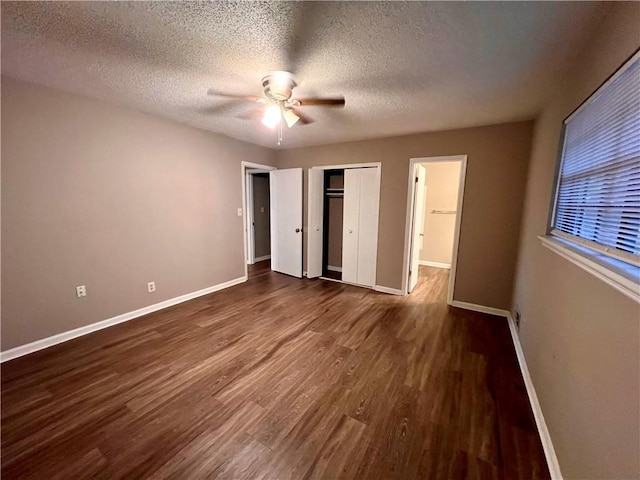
(427, 263)
(78, 332)
(543, 431)
(392, 291)
(331, 268)
(480, 308)
(260, 259)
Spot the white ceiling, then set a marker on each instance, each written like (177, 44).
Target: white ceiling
(402, 67)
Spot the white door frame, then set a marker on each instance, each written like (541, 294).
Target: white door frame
(408, 224)
(246, 176)
(377, 165)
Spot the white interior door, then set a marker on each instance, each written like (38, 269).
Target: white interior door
(369, 199)
(315, 222)
(418, 225)
(285, 190)
(350, 225)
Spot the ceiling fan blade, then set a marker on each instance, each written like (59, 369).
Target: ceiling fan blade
(304, 119)
(216, 93)
(222, 108)
(327, 102)
(253, 114)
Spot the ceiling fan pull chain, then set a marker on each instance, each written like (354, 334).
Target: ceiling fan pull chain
(280, 122)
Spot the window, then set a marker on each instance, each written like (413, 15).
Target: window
(597, 201)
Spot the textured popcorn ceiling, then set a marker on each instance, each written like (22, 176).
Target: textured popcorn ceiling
(402, 67)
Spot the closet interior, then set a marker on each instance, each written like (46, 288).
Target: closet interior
(333, 224)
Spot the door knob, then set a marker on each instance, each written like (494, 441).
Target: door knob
(297, 230)
(350, 231)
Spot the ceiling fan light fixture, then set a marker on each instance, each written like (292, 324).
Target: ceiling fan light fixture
(290, 117)
(272, 116)
(278, 86)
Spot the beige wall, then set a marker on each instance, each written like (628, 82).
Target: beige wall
(110, 198)
(496, 174)
(261, 212)
(441, 180)
(581, 337)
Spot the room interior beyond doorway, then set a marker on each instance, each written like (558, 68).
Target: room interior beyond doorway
(434, 208)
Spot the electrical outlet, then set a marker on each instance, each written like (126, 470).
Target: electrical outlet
(261, 209)
(151, 286)
(81, 291)
(239, 212)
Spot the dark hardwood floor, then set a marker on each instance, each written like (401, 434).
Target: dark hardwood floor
(278, 378)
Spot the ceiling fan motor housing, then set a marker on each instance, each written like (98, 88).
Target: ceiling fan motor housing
(278, 86)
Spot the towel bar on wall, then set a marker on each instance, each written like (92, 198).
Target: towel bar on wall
(444, 211)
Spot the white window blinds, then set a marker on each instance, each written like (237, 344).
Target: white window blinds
(598, 191)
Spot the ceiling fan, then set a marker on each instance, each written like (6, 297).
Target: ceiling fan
(278, 105)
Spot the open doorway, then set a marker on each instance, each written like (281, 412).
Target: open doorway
(434, 207)
(257, 214)
(258, 217)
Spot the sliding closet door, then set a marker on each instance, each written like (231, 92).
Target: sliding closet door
(368, 226)
(350, 228)
(360, 232)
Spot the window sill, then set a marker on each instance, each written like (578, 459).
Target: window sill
(622, 276)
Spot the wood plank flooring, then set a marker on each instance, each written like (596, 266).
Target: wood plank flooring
(278, 378)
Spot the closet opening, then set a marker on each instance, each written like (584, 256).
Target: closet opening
(333, 224)
(342, 235)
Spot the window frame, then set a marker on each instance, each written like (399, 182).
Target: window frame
(614, 253)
